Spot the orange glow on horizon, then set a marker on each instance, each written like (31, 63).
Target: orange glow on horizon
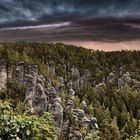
(107, 46)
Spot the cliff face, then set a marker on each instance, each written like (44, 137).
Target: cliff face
(41, 97)
(3, 76)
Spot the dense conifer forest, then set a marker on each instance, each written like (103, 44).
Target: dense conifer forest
(106, 85)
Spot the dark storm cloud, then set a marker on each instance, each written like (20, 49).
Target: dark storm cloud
(32, 12)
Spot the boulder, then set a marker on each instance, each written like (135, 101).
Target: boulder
(51, 93)
(84, 104)
(71, 92)
(3, 76)
(58, 112)
(51, 66)
(69, 105)
(75, 72)
(70, 84)
(79, 113)
(93, 123)
(20, 73)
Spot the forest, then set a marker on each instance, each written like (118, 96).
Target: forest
(106, 85)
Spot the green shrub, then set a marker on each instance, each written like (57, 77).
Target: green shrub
(14, 126)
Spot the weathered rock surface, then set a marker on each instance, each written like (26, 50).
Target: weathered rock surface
(3, 75)
(40, 98)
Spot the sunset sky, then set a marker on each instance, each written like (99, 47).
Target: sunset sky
(97, 24)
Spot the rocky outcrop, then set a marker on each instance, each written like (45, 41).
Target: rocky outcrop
(19, 72)
(75, 76)
(3, 75)
(111, 77)
(58, 112)
(41, 97)
(51, 66)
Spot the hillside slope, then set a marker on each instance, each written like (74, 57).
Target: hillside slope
(84, 94)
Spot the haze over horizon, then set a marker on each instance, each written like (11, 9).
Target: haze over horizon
(97, 24)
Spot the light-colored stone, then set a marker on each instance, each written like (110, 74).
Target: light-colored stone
(3, 76)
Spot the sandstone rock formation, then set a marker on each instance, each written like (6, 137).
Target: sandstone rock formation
(41, 97)
(3, 76)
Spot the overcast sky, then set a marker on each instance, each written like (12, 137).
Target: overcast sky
(30, 12)
(71, 21)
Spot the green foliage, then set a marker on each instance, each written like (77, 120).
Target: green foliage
(106, 104)
(92, 136)
(17, 126)
(15, 91)
(3, 94)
